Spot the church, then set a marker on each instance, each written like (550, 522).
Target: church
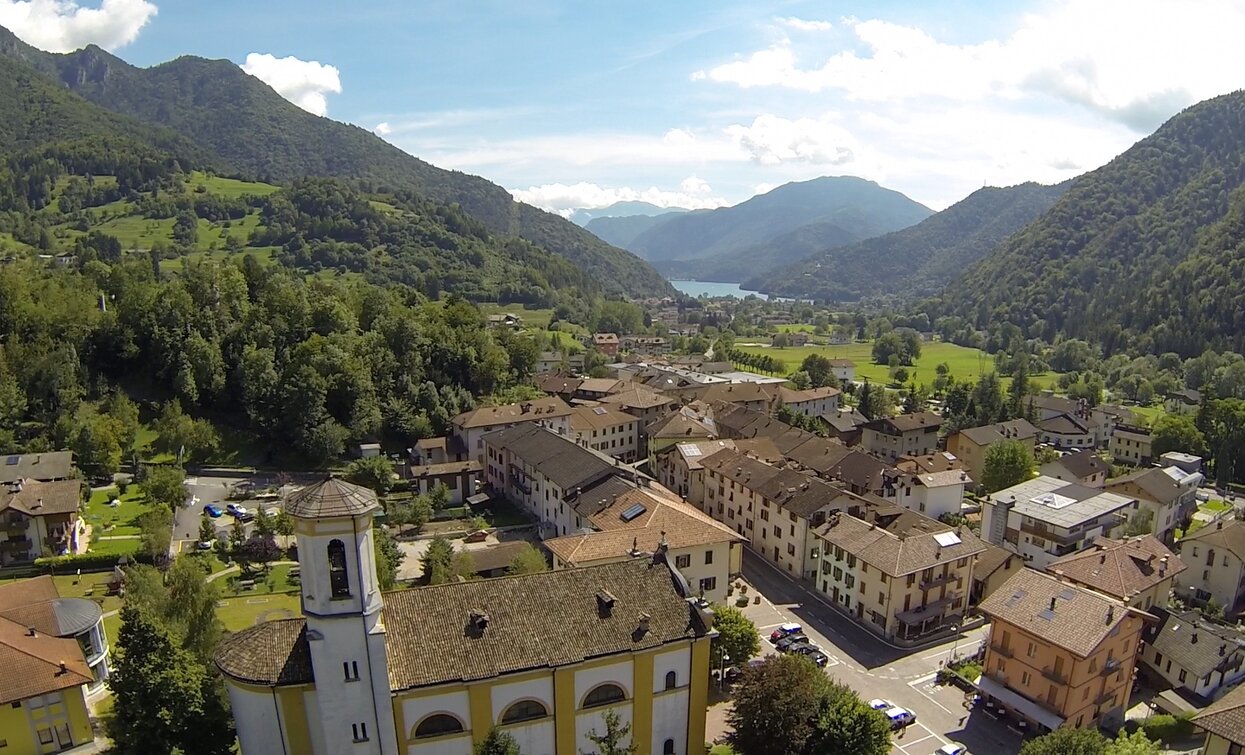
(432, 669)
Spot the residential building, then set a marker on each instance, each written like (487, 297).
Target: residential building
(1043, 519)
(1082, 467)
(1169, 495)
(1224, 724)
(889, 438)
(1198, 657)
(689, 423)
(45, 467)
(792, 338)
(1215, 557)
(970, 444)
(460, 478)
(844, 370)
(755, 396)
(433, 669)
(1098, 422)
(845, 424)
(655, 345)
(606, 343)
(901, 575)
(601, 428)
(1131, 445)
(1058, 654)
(36, 606)
(994, 567)
(1068, 432)
(1184, 402)
(42, 705)
(439, 450)
(678, 466)
(469, 428)
(549, 361)
(640, 522)
(1187, 462)
(504, 319)
(1139, 571)
(813, 402)
(645, 404)
(40, 519)
(595, 389)
(933, 494)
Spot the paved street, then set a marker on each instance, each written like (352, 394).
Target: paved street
(213, 490)
(873, 668)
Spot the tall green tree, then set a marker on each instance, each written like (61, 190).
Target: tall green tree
(845, 723)
(388, 558)
(437, 561)
(737, 637)
(496, 742)
(1007, 463)
(1177, 432)
(528, 561)
(1067, 741)
(375, 472)
(165, 485)
(615, 740)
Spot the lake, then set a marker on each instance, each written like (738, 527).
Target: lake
(705, 288)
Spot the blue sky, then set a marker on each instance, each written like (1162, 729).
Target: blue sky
(577, 104)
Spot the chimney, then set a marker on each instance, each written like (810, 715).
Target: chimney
(1102, 558)
(64, 668)
(605, 602)
(1110, 614)
(1193, 639)
(1219, 524)
(644, 623)
(479, 620)
(31, 632)
(1052, 604)
(1223, 649)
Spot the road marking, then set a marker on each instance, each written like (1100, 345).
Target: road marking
(918, 683)
(967, 647)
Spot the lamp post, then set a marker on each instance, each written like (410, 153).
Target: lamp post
(722, 670)
(955, 643)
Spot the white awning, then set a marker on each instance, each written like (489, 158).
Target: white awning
(1022, 705)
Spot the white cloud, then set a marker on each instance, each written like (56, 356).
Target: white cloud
(64, 26)
(802, 24)
(1134, 61)
(382, 129)
(771, 140)
(303, 82)
(694, 194)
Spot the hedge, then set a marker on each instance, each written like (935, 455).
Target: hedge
(87, 562)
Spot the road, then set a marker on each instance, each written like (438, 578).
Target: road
(873, 668)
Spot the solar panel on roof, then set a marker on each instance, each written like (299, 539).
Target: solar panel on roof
(946, 539)
(632, 511)
(12, 460)
(691, 450)
(598, 410)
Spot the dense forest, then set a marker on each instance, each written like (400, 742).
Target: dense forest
(1145, 255)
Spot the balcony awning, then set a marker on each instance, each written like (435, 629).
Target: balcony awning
(1022, 705)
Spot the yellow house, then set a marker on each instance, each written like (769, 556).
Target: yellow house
(431, 670)
(42, 702)
(1224, 724)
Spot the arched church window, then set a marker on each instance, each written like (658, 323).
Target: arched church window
(339, 579)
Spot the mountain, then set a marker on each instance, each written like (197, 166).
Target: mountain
(256, 132)
(622, 231)
(627, 209)
(852, 209)
(1145, 254)
(917, 261)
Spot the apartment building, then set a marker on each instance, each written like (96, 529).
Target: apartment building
(607, 430)
(678, 466)
(813, 402)
(1044, 518)
(1138, 571)
(40, 519)
(899, 574)
(1131, 445)
(1200, 658)
(1215, 555)
(889, 438)
(1168, 494)
(970, 444)
(469, 428)
(1058, 654)
(933, 494)
(1082, 467)
(645, 404)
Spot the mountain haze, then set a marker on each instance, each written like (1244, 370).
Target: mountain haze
(625, 209)
(621, 231)
(917, 261)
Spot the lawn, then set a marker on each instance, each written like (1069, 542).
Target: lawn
(248, 609)
(1147, 415)
(125, 547)
(277, 581)
(532, 318)
(964, 363)
(108, 520)
(229, 187)
(1215, 506)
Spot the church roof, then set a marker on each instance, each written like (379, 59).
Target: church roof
(330, 497)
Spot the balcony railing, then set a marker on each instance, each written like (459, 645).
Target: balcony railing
(1002, 650)
(939, 580)
(1110, 667)
(20, 544)
(15, 525)
(1058, 677)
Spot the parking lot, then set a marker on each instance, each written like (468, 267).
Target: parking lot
(201, 491)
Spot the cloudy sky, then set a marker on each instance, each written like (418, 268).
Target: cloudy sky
(700, 103)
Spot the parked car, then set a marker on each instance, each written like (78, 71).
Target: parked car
(784, 630)
(212, 511)
(952, 748)
(878, 703)
(813, 653)
(734, 672)
(786, 643)
(900, 717)
(236, 509)
(204, 545)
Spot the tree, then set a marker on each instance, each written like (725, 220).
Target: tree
(845, 723)
(1007, 462)
(388, 558)
(164, 485)
(182, 435)
(96, 447)
(439, 496)
(437, 561)
(528, 561)
(1140, 523)
(737, 637)
(375, 472)
(155, 535)
(496, 742)
(614, 740)
(207, 530)
(259, 549)
(819, 370)
(1177, 432)
(1067, 741)
(1136, 743)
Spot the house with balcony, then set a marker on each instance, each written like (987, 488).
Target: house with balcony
(1131, 445)
(1215, 557)
(812, 402)
(889, 438)
(678, 466)
(1139, 571)
(40, 519)
(1058, 654)
(1201, 659)
(35, 605)
(1044, 518)
(900, 575)
(970, 444)
(1168, 494)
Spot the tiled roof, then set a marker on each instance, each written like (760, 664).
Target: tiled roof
(53, 465)
(1017, 429)
(423, 471)
(594, 499)
(1079, 623)
(846, 419)
(939, 461)
(1120, 568)
(601, 385)
(1059, 404)
(842, 363)
(1064, 424)
(991, 559)
(20, 592)
(734, 393)
(637, 397)
(800, 493)
(682, 424)
(32, 665)
(598, 417)
(1158, 484)
(739, 467)
(331, 497)
(42, 498)
(555, 384)
(1193, 643)
(566, 463)
(895, 554)
(1083, 464)
(497, 556)
(791, 396)
(1229, 535)
(905, 423)
(271, 653)
(524, 411)
(1226, 717)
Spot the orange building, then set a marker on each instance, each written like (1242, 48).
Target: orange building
(1058, 654)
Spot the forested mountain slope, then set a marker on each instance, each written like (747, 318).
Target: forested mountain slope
(621, 231)
(917, 261)
(1146, 254)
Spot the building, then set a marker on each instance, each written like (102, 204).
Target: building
(755, 396)
(645, 404)
(690, 423)
(595, 389)
(844, 425)
(1224, 724)
(901, 575)
(889, 438)
(1180, 460)
(1068, 432)
(1183, 402)
(1131, 445)
(45, 467)
(1043, 519)
(789, 338)
(606, 343)
(469, 428)
(970, 444)
(813, 402)
(460, 478)
(40, 519)
(607, 430)
(1215, 557)
(1138, 571)
(994, 567)
(549, 361)
(42, 705)
(933, 494)
(1058, 654)
(36, 606)
(1169, 495)
(844, 370)
(1081, 467)
(678, 466)
(1199, 658)
(432, 669)
(655, 345)
(504, 320)
(707, 553)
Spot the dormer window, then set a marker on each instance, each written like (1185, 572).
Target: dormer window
(339, 579)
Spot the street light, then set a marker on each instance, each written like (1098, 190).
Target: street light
(722, 670)
(955, 643)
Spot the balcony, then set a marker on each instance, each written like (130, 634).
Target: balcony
(1058, 677)
(942, 579)
(1110, 667)
(1002, 650)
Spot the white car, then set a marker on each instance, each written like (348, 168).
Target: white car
(879, 704)
(236, 509)
(952, 748)
(899, 717)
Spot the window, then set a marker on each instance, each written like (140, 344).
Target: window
(708, 584)
(1182, 675)
(359, 732)
(682, 562)
(45, 736)
(881, 598)
(604, 694)
(672, 680)
(764, 515)
(339, 580)
(351, 670)
(437, 725)
(708, 557)
(524, 710)
(1025, 678)
(1032, 651)
(790, 549)
(667, 747)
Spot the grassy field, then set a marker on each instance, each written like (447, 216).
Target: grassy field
(248, 609)
(229, 187)
(1148, 415)
(115, 520)
(964, 363)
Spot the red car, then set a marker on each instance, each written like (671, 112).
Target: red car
(784, 630)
